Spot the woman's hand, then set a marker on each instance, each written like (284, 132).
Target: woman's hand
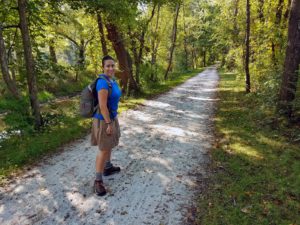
(109, 129)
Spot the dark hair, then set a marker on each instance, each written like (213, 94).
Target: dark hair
(107, 57)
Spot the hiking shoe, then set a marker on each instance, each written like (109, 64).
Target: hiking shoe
(111, 170)
(99, 188)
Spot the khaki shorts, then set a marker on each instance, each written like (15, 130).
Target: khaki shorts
(99, 136)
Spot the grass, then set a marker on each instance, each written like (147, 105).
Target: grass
(64, 126)
(255, 167)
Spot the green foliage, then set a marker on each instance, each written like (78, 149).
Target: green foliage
(257, 176)
(17, 116)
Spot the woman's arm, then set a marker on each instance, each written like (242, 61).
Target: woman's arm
(102, 96)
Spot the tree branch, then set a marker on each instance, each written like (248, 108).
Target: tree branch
(87, 42)
(69, 38)
(9, 26)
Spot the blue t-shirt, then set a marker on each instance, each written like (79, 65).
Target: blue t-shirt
(113, 99)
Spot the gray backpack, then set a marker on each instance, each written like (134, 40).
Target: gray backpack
(89, 98)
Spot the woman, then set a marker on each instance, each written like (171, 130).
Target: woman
(105, 127)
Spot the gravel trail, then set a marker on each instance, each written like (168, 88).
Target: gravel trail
(162, 153)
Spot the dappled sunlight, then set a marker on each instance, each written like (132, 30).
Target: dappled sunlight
(173, 131)
(165, 180)
(165, 162)
(245, 150)
(203, 99)
(162, 143)
(139, 115)
(157, 104)
(270, 141)
(20, 189)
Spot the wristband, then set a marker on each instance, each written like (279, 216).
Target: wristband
(108, 122)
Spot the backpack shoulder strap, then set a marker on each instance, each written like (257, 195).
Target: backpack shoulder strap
(108, 83)
(109, 90)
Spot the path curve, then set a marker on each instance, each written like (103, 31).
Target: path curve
(163, 150)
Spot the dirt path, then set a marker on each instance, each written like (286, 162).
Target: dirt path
(162, 152)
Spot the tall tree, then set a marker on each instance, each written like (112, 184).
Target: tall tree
(278, 16)
(11, 84)
(185, 41)
(261, 10)
(154, 46)
(79, 34)
(247, 53)
(117, 42)
(173, 40)
(292, 60)
(141, 38)
(236, 31)
(279, 11)
(30, 65)
(52, 51)
(101, 32)
(287, 11)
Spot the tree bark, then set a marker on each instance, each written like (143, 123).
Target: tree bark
(235, 23)
(173, 40)
(278, 19)
(247, 53)
(194, 56)
(52, 52)
(279, 12)
(81, 54)
(29, 61)
(204, 58)
(10, 82)
(126, 74)
(133, 46)
(261, 10)
(186, 62)
(102, 36)
(291, 65)
(273, 57)
(287, 12)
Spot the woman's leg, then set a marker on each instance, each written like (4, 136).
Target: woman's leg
(100, 163)
(109, 168)
(108, 156)
(101, 158)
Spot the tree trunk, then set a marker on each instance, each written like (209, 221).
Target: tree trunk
(102, 36)
(274, 60)
(279, 9)
(185, 40)
(194, 57)
(204, 58)
(291, 65)
(235, 35)
(142, 45)
(134, 50)
(154, 47)
(116, 39)
(279, 12)
(247, 53)
(287, 12)
(29, 61)
(133, 86)
(52, 52)
(81, 55)
(11, 84)
(173, 41)
(81, 59)
(261, 10)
